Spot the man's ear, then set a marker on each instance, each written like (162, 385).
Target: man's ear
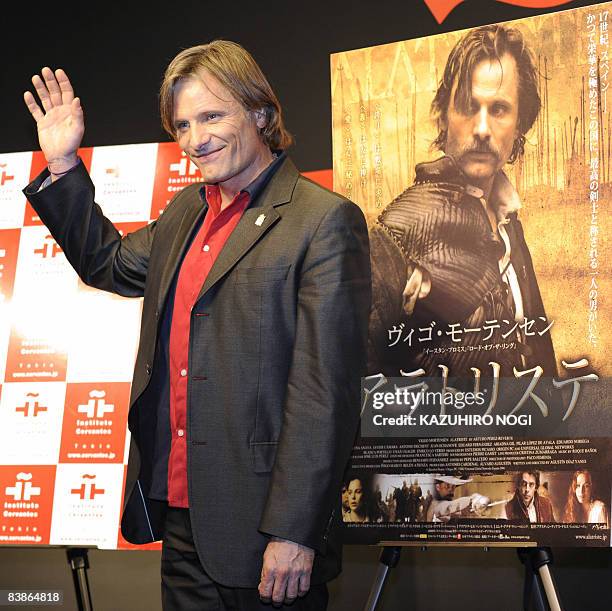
(261, 118)
(443, 120)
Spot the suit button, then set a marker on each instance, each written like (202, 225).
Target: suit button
(156, 313)
(148, 369)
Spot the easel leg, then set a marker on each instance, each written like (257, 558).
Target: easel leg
(79, 563)
(389, 557)
(539, 585)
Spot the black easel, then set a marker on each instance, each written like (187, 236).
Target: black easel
(539, 594)
(539, 585)
(79, 563)
(389, 557)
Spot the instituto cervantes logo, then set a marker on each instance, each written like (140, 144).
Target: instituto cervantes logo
(23, 490)
(50, 248)
(441, 9)
(31, 406)
(4, 175)
(87, 490)
(184, 166)
(96, 406)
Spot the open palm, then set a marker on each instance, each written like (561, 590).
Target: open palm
(60, 121)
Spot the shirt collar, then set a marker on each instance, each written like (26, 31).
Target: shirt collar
(256, 186)
(504, 198)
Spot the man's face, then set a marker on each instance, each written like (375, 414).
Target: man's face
(345, 498)
(527, 488)
(446, 491)
(217, 133)
(480, 138)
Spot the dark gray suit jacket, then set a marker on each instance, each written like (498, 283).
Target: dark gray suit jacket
(277, 347)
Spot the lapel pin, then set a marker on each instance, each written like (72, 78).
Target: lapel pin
(260, 219)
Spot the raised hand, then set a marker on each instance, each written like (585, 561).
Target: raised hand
(60, 126)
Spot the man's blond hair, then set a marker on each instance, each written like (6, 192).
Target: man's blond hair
(234, 67)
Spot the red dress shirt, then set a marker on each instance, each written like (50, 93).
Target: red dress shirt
(205, 248)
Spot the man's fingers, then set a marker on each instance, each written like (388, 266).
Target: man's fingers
(42, 91)
(292, 587)
(417, 287)
(33, 107)
(286, 572)
(280, 586)
(65, 86)
(76, 108)
(51, 83)
(266, 584)
(55, 90)
(411, 292)
(304, 584)
(425, 284)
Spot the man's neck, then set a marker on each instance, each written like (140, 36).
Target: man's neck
(231, 188)
(483, 189)
(485, 185)
(528, 505)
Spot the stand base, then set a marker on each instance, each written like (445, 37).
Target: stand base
(539, 593)
(79, 563)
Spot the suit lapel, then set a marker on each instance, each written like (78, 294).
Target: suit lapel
(255, 222)
(193, 214)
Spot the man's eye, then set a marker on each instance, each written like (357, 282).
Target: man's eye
(473, 108)
(181, 126)
(499, 110)
(211, 116)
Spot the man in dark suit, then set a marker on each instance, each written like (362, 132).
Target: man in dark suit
(527, 505)
(256, 294)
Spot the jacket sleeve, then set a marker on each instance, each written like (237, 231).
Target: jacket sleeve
(321, 410)
(90, 242)
(390, 272)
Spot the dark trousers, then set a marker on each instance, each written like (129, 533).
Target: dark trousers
(186, 586)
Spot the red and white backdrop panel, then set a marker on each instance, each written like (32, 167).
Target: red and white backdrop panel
(67, 353)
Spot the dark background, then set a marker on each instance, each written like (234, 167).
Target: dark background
(115, 54)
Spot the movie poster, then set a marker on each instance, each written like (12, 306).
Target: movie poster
(481, 159)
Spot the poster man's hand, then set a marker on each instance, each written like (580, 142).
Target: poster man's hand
(60, 120)
(417, 287)
(285, 574)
